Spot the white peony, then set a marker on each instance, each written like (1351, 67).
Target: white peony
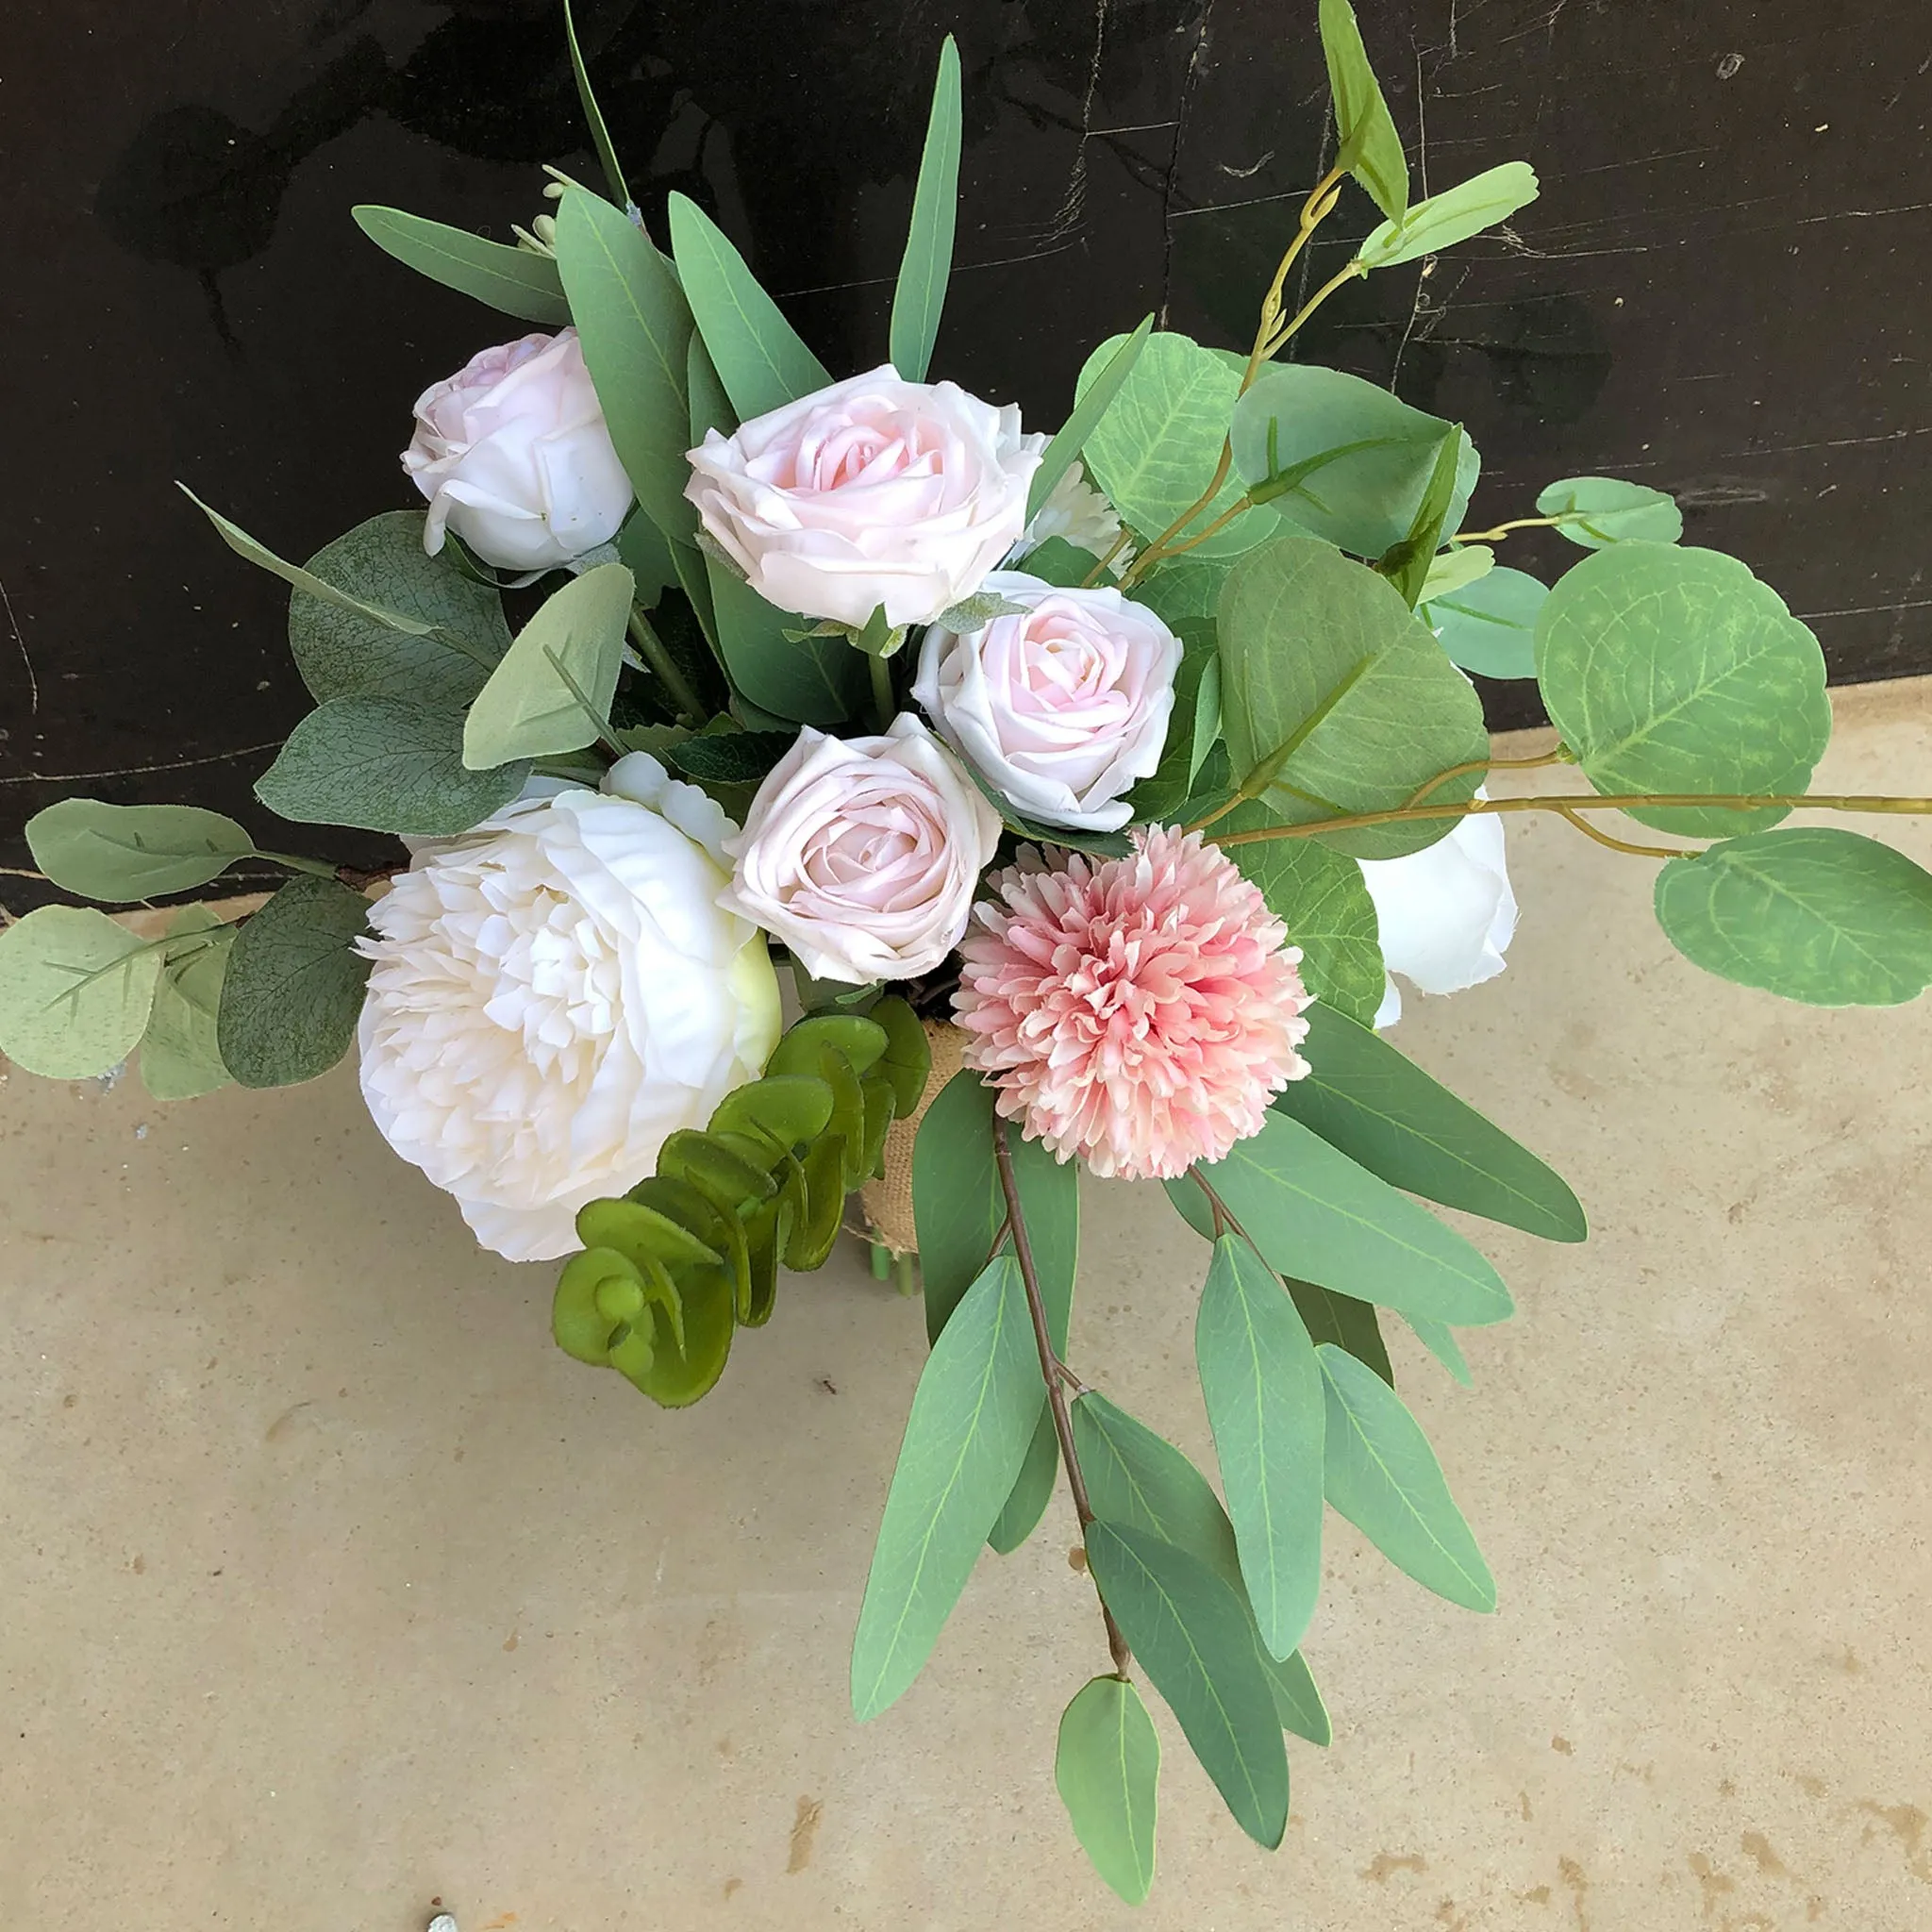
(1446, 913)
(1081, 515)
(554, 993)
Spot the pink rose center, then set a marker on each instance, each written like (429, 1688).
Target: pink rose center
(876, 856)
(841, 453)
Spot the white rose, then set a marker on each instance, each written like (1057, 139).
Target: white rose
(514, 457)
(554, 995)
(863, 853)
(873, 491)
(1446, 913)
(1059, 708)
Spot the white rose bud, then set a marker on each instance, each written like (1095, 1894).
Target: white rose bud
(873, 491)
(1059, 708)
(863, 853)
(514, 457)
(555, 993)
(1446, 913)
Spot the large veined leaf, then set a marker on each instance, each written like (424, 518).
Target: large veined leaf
(972, 1415)
(76, 992)
(926, 265)
(1811, 913)
(1487, 625)
(1345, 460)
(1382, 1474)
(757, 354)
(1263, 1391)
(1595, 512)
(1672, 671)
(1107, 1768)
(126, 851)
(1192, 1635)
(1070, 437)
(1364, 1096)
(1337, 698)
(1452, 216)
(1314, 1213)
(294, 984)
(516, 281)
(180, 1057)
(1367, 142)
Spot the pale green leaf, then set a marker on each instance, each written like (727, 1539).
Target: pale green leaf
(1320, 896)
(76, 992)
(1453, 570)
(1366, 140)
(973, 1416)
(1440, 1339)
(179, 1055)
(515, 281)
(1489, 626)
(926, 266)
(126, 851)
(1812, 913)
(1452, 216)
(600, 135)
(1108, 1771)
(1096, 399)
(293, 989)
(1381, 1473)
(1599, 510)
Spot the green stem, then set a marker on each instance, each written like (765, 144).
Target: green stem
(315, 868)
(882, 699)
(651, 649)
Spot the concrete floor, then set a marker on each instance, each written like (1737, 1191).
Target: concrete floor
(332, 1588)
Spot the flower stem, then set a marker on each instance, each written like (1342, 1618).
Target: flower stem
(1502, 530)
(315, 868)
(1052, 1370)
(651, 648)
(882, 700)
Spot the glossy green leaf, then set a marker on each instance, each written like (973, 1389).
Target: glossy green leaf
(1155, 449)
(1108, 1771)
(813, 680)
(1489, 626)
(1674, 670)
(1192, 1634)
(1319, 895)
(926, 265)
(757, 354)
(906, 1061)
(125, 852)
(1382, 1474)
(1811, 913)
(1331, 1316)
(1314, 1213)
(1369, 1100)
(552, 692)
(1305, 634)
(1347, 461)
(385, 765)
(682, 1367)
(594, 115)
(180, 1057)
(515, 281)
(1595, 512)
(1263, 1391)
(636, 331)
(1366, 140)
(293, 990)
(76, 992)
(458, 630)
(1452, 216)
(973, 1416)
(1096, 399)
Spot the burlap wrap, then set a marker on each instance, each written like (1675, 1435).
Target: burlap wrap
(887, 1203)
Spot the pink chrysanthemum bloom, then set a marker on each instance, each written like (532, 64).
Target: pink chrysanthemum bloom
(1139, 1011)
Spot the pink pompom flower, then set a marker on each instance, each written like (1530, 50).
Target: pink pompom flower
(1137, 1011)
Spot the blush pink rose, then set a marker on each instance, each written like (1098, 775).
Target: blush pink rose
(862, 854)
(1060, 708)
(873, 491)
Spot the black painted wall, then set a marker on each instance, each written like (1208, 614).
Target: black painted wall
(1720, 291)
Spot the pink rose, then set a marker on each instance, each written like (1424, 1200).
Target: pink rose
(873, 491)
(863, 853)
(1059, 708)
(513, 455)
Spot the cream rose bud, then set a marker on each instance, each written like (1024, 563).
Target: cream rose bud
(554, 993)
(863, 853)
(873, 491)
(1060, 708)
(514, 457)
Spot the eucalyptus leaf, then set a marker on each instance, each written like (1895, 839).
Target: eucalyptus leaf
(757, 354)
(1263, 1391)
(973, 1416)
(730, 758)
(76, 992)
(1107, 1768)
(1381, 1473)
(1452, 216)
(1451, 569)
(180, 1058)
(1440, 1339)
(1330, 1316)
(644, 550)
(1811, 913)
(1408, 565)
(1181, 588)
(594, 116)
(294, 984)
(515, 281)
(1367, 142)
(1093, 403)
(1595, 512)
(1159, 798)
(384, 765)
(926, 265)
(1366, 1098)
(1671, 670)
(1191, 1635)
(126, 851)
(1320, 896)
(1489, 626)
(565, 659)
(1315, 1214)
(819, 680)
(1032, 1488)
(1056, 561)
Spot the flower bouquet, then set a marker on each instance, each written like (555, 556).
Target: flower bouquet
(1089, 785)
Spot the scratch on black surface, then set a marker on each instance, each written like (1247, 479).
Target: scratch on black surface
(1189, 82)
(219, 758)
(1073, 208)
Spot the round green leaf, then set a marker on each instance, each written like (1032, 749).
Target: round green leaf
(1487, 625)
(1814, 914)
(124, 851)
(1319, 895)
(294, 984)
(1600, 511)
(180, 1057)
(1672, 670)
(76, 992)
(1107, 1770)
